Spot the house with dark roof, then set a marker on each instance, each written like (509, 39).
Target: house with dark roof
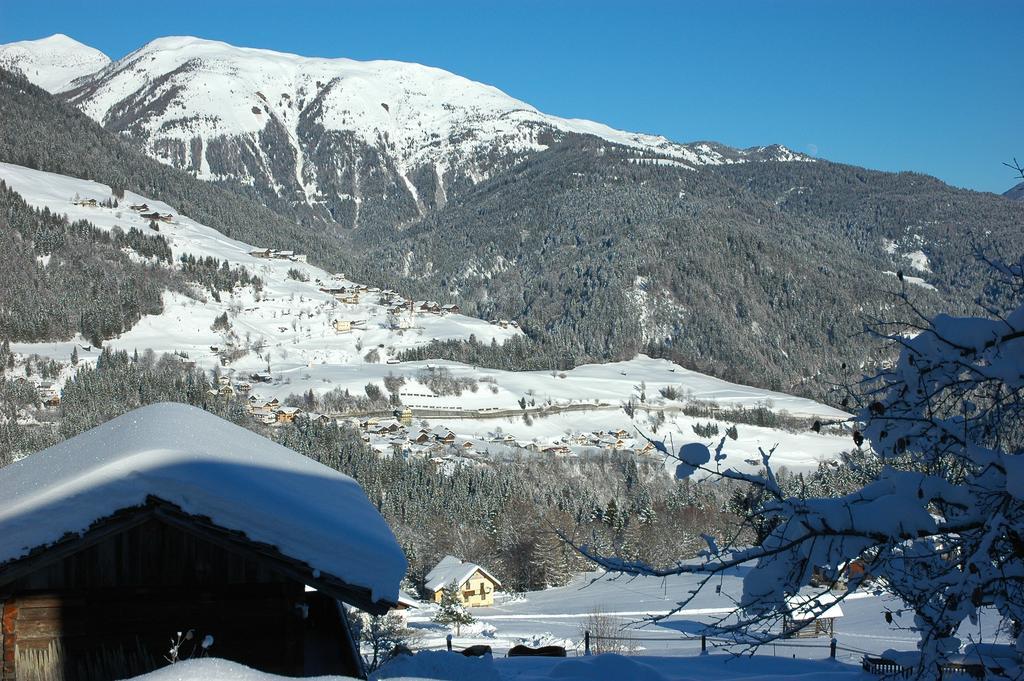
(167, 519)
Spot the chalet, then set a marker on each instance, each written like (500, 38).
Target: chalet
(342, 326)
(476, 585)
(49, 393)
(349, 297)
(261, 253)
(139, 207)
(450, 309)
(421, 439)
(287, 414)
(157, 216)
(282, 255)
(313, 417)
(114, 540)
(226, 391)
(87, 202)
(427, 307)
(447, 437)
(263, 377)
(467, 445)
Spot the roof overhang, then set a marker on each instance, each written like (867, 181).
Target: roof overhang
(202, 527)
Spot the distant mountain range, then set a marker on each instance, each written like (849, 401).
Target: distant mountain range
(331, 139)
(757, 265)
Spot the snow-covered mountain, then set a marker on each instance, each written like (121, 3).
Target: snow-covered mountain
(52, 63)
(350, 139)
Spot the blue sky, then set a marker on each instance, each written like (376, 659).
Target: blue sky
(931, 86)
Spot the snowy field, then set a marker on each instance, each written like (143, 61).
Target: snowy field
(288, 330)
(558, 616)
(454, 667)
(667, 650)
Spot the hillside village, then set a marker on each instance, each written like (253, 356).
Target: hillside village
(302, 331)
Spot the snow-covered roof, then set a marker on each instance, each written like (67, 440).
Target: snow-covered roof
(451, 569)
(821, 606)
(207, 467)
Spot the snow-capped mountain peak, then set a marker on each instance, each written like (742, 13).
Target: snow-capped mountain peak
(52, 63)
(349, 139)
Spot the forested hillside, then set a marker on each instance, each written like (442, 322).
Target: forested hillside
(42, 132)
(60, 278)
(763, 272)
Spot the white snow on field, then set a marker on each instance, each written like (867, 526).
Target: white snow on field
(916, 281)
(207, 467)
(288, 332)
(609, 667)
(918, 260)
(558, 616)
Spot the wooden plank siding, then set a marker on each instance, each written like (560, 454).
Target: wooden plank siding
(111, 608)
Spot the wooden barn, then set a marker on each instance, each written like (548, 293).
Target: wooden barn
(168, 520)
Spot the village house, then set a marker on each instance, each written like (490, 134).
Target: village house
(450, 309)
(162, 535)
(158, 217)
(261, 253)
(287, 414)
(476, 586)
(342, 326)
(139, 207)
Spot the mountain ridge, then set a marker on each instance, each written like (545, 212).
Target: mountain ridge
(339, 140)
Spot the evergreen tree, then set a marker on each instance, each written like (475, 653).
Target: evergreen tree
(452, 610)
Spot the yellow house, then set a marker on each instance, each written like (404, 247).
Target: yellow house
(476, 585)
(342, 325)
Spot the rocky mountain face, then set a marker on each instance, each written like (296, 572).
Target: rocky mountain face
(333, 140)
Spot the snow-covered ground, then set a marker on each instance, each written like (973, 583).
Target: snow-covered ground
(454, 667)
(288, 331)
(667, 650)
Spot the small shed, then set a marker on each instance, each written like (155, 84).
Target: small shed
(811, 616)
(168, 519)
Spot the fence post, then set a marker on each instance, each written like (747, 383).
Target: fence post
(449, 641)
(703, 644)
(832, 649)
(586, 643)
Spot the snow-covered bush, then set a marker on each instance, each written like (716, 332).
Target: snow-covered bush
(940, 523)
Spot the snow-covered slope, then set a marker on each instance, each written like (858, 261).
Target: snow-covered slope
(287, 330)
(52, 63)
(351, 139)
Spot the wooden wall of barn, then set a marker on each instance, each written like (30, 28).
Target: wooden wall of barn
(112, 609)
